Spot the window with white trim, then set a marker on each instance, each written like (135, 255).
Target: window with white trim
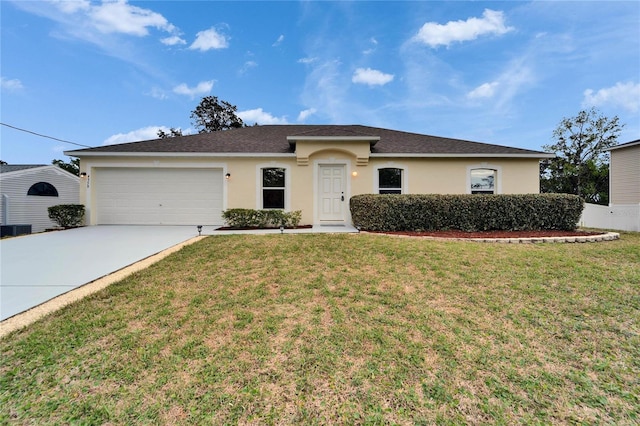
(390, 180)
(483, 181)
(273, 187)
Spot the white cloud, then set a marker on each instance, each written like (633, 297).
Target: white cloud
(517, 77)
(306, 114)
(625, 95)
(173, 40)
(209, 39)
(326, 88)
(121, 17)
(11, 84)
(307, 61)
(91, 21)
(261, 117)
(278, 41)
(67, 6)
(371, 77)
(247, 66)
(157, 93)
(203, 88)
(434, 34)
(486, 90)
(142, 134)
(370, 50)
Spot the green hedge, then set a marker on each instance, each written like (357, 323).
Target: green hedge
(67, 215)
(249, 218)
(430, 212)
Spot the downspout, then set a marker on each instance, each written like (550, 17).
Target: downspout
(5, 209)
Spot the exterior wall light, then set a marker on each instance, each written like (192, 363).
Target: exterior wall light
(354, 174)
(227, 176)
(84, 175)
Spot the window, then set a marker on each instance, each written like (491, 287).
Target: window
(390, 181)
(273, 185)
(43, 189)
(483, 181)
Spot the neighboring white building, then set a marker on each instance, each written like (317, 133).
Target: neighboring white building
(27, 191)
(623, 211)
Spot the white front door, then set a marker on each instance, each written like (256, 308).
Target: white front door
(332, 202)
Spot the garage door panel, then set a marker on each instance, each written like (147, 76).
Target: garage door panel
(158, 196)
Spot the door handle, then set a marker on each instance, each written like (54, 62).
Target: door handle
(342, 198)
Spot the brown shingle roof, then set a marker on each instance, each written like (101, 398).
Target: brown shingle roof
(273, 139)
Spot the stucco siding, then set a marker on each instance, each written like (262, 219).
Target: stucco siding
(243, 188)
(625, 175)
(19, 208)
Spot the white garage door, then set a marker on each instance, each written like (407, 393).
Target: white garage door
(158, 196)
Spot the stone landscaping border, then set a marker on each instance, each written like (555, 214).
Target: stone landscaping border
(608, 236)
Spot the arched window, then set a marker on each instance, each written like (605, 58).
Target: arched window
(43, 189)
(390, 180)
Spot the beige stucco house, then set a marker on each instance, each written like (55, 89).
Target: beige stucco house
(313, 168)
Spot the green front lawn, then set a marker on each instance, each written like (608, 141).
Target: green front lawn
(343, 329)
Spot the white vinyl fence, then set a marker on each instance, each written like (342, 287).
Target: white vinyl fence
(619, 217)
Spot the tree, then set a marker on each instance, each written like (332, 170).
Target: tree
(581, 165)
(172, 133)
(73, 166)
(213, 115)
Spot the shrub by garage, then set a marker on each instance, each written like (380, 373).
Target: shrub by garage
(471, 213)
(67, 215)
(251, 218)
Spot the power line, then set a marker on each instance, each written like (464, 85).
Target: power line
(44, 136)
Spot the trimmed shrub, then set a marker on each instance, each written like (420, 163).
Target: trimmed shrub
(67, 215)
(432, 212)
(250, 218)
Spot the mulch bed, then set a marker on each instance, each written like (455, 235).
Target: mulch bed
(231, 228)
(491, 234)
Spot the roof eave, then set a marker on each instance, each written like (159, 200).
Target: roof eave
(541, 155)
(177, 154)
(53, 168)
(335, 138)
(372, 140)
(624, 145)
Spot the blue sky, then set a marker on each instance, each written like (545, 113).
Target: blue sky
(96, 73)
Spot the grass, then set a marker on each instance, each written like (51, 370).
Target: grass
(343, 329)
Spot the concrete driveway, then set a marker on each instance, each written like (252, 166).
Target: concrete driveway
(39, 267)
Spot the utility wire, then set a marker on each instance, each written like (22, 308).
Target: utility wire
(44, 136)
